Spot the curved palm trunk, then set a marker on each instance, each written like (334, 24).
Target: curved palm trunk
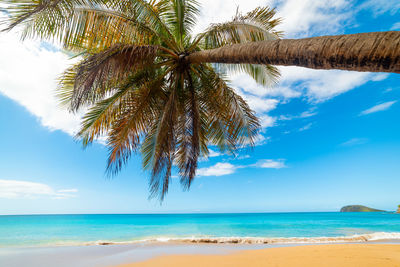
(374, 52)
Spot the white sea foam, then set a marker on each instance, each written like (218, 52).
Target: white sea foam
(377, 236)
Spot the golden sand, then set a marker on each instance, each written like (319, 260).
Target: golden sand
(348, 255)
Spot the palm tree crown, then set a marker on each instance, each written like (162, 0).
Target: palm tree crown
(140, 90)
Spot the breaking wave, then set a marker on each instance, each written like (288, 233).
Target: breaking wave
(378, 236)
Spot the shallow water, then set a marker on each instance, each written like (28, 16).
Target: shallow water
(56, 230)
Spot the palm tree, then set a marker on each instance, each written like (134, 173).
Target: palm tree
(149, 84)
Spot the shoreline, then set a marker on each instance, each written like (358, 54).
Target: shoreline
(356, 238)
(116, 255)
(332, 255)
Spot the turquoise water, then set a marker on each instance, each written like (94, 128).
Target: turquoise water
(44, 230)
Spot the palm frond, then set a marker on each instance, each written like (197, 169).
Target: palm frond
(191, 135)
(44, 18)
(134, 122)
(232, 122)
(94, 76)
(257, 25)
(163, 151)
(99, 119)
(59, 19)
(151, 13)
(93, 30)
(182, 17)
(265, 75)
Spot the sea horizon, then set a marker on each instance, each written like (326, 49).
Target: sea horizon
(178, 213)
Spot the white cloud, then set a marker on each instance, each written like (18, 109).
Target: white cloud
(74, 190)
(310, 17)
(379, 107)
(303, 115)
(243, 157)
(28, 73)
(321, 85)
(249, 86)
(261, 140)
(300, 18)
(254, 95)
(379, 77)
(267, 121)
(308, 113)
(378, 7)
(259, 104)
(354, 142)
(216, 11)
(306, 127)
(271, 164)
(218, 169)
(213, 153)
(13, 189)
(396, 26)
(315, 85)
(224, 168)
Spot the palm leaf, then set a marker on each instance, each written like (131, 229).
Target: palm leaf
(96, 75)
(181, 18)
(232, 118)
(265, 75)
(44, 18)
(164, 147)
(134, 122)
(100, 118)
(93, 30)
(256, 25)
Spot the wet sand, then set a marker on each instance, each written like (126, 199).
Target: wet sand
(110, 255)
(344, 255)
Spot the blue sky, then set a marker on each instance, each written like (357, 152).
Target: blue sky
(330, 138)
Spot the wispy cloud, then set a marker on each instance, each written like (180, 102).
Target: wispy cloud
(306, 127)
(74, 190)
(224, 168)
(211, 154)
(267, 121)
(218, 169)
(271, 164)
(310, 17)
(243, 157)
(396, 26)
(322, 85)
(303, 115)
(14, 189)
(379, 7)
(301, 18)
(377, 108)
(355, 142)
(33, 83)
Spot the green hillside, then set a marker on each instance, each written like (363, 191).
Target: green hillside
(358, 208)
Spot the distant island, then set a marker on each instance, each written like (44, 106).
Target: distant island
(398, 209)
(358, 208)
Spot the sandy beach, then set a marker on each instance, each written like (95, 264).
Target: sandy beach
(364, 255)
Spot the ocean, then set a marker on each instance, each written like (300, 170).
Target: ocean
(75, 230)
